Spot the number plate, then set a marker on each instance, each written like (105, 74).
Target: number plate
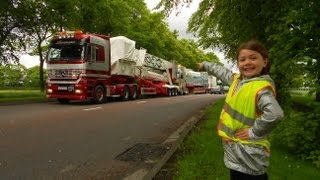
(69, 88)
(63, 88)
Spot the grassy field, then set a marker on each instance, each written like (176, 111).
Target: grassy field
(201, 156)
(21, 95)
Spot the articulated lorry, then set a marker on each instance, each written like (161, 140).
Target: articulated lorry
(97, 67)
(200, 82)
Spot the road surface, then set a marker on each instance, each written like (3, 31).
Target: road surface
(83, 141)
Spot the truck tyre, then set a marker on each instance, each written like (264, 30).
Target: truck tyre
(169, 92)
(99, 95)
(125, 94)
(134, 94)
(63, 100)
(175, 92)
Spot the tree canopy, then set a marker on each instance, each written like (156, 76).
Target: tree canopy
(289, 29)
(31, 23)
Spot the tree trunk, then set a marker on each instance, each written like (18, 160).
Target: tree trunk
(42, 84)
(318, 81)
(318, 88)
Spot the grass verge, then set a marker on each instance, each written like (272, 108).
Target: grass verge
(201, 156)
(21, 95)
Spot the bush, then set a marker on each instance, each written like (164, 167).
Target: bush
(299, 131)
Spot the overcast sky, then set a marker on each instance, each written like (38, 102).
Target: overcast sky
(180, 23)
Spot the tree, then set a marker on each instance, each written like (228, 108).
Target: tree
(39, 23)
(12, 75)
(32, 77)
(11, 36)
(299, 24)
(225, 24)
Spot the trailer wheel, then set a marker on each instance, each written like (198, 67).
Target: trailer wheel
(99, 95)
(134, 93)
(169, 92)
(126, 94)
(63, 100)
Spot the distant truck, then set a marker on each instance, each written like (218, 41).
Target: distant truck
(216, 87)
(199, 82)
(91, 66)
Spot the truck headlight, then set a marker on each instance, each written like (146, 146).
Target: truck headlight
(78, 91)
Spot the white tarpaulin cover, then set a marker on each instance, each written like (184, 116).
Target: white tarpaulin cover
(197, 78)
(124, 56)
(129, 61)
(121, 48)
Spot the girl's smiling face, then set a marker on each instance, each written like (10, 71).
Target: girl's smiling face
(250, 63)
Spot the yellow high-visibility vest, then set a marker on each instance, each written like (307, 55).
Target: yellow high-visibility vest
(240, 110)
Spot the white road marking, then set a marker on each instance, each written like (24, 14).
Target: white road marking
(92, 109)
(126, 138)
(141, 102)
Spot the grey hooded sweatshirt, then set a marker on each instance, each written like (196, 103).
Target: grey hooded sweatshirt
(245, 158)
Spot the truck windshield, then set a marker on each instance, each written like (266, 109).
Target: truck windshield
(66, 52)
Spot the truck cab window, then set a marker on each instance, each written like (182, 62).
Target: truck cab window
(91, 55)
(71, 52)
(54, 54)
(65, 52)
(95, 53)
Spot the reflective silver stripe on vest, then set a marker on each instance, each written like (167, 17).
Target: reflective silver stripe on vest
(238, 116)
(227, 130)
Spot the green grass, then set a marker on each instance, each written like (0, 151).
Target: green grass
(302, 93)
(284, 166)
(306, 100)
(21, 95)
(201, 156)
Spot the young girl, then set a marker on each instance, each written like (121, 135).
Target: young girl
(250, 112)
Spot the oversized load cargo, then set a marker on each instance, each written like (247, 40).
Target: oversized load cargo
(197, 82)
(197, 78)
(212, 82)
(128, 61)
(155, 68)
(124, 56)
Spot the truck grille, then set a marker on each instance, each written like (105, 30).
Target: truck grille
(64, 74)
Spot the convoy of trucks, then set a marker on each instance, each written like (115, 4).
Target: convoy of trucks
(97, 67)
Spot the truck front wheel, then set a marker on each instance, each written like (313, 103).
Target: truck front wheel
(99, 95)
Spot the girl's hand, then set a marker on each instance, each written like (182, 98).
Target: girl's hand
(200, 66)
(242, 133)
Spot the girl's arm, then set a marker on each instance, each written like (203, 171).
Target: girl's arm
(271, 114)
(221, 72)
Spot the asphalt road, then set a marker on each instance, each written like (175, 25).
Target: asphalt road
(86, 141)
